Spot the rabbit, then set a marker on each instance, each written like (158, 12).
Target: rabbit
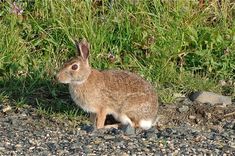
(126, 96)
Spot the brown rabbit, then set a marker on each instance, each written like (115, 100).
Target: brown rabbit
(126, 96)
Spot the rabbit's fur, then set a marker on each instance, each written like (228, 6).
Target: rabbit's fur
(128, 97)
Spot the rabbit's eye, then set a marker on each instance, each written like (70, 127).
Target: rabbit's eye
(74, 67)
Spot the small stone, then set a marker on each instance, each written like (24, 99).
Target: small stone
(208, 115)
(146, 150)
(124, 154)
(128, 129)
(170, 144)
(210, 97)
(6, 109)
(23, 114)
(169, 130)
(187, 101)
(161, 145)
(87, 128)
(2, 148)
(200, 138)
(120, 143)
(150, 133)
(109, 137)
(18, 145)
(113, 131)
(32, 147)
(163, 150)
(183, 109)
(97, 141)
(192, 117)
(198, 121)
(212, 136)
(176, 152)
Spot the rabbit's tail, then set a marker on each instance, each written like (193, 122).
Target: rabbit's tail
(147, 124)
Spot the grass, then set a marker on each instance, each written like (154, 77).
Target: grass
(176, 45)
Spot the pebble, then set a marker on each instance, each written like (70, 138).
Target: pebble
(87, 128)
(200, 138)
(6, 109)
(192, 117)
(183, 109)
(128, 129)
(187, 101)
(2, 148)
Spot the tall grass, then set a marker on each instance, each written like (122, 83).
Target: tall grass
(176, 45)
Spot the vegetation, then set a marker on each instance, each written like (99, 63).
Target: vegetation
(176, 45)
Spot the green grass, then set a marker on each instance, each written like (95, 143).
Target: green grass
(176, 45)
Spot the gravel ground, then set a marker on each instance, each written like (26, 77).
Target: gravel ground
(25, 132)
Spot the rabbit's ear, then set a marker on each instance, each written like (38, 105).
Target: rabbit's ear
(83, 48)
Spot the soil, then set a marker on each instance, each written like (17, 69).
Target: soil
(202, 116)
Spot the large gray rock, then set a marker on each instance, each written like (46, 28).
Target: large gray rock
(210, 97)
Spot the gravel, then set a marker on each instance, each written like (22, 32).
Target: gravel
(25, 132)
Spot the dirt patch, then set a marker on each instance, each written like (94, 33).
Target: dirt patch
(203, 116)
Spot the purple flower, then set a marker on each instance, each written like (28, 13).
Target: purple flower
(16, 9)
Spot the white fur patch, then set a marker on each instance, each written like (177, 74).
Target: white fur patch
(145, 124)
(65, 81)
(78, 82)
